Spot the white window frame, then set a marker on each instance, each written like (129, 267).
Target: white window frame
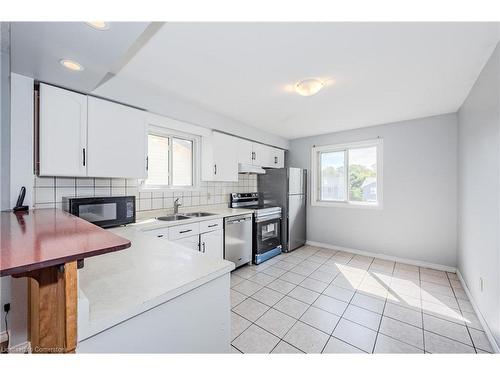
(170, 133)
(316, 174)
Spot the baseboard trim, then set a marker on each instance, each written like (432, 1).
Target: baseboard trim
(384, 256)
(479, 315)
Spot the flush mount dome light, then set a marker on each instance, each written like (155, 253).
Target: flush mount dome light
(308, 87)
(71, 65)
(98, 25)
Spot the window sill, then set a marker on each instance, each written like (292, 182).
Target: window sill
(366, 206)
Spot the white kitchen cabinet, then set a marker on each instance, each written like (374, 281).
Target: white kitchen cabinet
(117, 140)
(62, 132)
(205, 236)
(278, 158)
(219, 158)
(263, 155)
(191, 242)
(244, 151)
(211, 244)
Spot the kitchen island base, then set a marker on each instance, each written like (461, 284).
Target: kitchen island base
(197, 321)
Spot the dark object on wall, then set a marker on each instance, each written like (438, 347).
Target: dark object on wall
(20, 201)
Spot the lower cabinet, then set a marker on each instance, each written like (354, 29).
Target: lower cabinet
(206, 237)
(192, 242)
(212, 244)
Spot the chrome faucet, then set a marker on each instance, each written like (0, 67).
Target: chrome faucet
(176, 206)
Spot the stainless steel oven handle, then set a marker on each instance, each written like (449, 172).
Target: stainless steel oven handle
(267, 218)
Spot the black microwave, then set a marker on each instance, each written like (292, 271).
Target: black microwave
(105, 212)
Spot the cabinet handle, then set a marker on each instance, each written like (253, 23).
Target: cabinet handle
(84, 157)
(215, 168)
(147, 163)
(213, 225)
(160, 235)
(185, 231)
(203, 247)
(275, 160)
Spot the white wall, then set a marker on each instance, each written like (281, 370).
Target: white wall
(165, 104)
(479, 192)
(419, 216)
(4, 151)
(21, 165)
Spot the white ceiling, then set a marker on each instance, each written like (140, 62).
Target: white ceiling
(381, 72)
(37, 47)
(378, 72)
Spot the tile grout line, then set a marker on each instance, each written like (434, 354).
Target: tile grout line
(383, 310)
(347, 306)
(255, 323)
(349, 303)
(461, 312)
(421, 307)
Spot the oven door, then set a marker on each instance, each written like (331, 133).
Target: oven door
(267, 233)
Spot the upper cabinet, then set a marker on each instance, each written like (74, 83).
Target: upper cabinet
(278, 158)
(62, 132)
(260, 155)
(85, 136)
(245, 151)
(117, 142)
(219, 156)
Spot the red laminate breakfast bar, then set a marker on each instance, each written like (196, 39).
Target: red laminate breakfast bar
(44, 245)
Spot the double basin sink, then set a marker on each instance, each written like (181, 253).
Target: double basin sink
(190, 215)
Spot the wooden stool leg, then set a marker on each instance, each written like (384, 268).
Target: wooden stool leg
(53, 309)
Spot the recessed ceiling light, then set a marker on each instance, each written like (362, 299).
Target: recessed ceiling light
(98, 25)
(71, 65)
(309, 87)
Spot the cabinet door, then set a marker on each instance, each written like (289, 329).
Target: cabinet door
(278, 160)
(191, 242)
(244, 151)
(225, 157)
(263, 155)
(62, 132)
(117, 140)
(207, 158)
(211, 244)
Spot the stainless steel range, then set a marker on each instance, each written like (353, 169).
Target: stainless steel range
(266, 225)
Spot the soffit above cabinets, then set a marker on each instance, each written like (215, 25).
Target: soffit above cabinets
(37, 47)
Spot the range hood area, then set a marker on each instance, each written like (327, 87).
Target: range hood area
(250, 169)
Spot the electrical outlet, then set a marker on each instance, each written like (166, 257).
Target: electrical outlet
(481, 284)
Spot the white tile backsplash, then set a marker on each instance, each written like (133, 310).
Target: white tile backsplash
(49, 191)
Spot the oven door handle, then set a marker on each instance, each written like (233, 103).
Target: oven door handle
(262, 219)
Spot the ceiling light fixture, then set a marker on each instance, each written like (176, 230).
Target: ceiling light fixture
(98, 25)
(309, 87)
(71, 65)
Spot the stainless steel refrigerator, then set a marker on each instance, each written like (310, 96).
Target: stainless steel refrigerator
(286, 187)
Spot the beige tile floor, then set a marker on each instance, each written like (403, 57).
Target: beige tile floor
(317, 300)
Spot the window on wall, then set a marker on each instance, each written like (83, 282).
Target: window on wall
(170, 161)
(347, 174)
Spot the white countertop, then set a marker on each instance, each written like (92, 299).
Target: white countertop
(117, 286)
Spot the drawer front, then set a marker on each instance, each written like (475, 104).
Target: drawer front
(181, 231)
(209, 225)
(160, 233)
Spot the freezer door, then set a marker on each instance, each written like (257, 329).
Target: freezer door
(296, 181)
(296, 221)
